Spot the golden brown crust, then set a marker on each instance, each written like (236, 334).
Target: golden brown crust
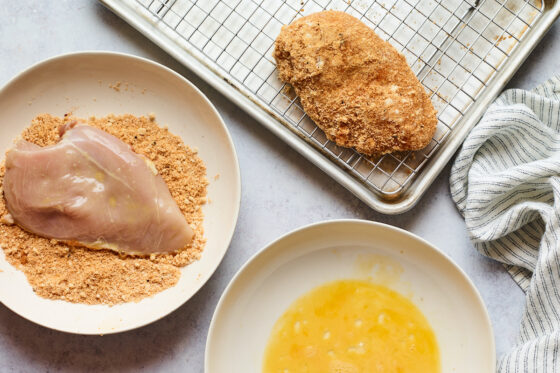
(357, 88)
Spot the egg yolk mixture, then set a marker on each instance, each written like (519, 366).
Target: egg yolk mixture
(352, 326)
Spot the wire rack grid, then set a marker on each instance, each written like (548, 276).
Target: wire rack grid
(454, 47)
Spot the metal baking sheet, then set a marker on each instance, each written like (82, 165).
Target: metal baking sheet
(463, 52)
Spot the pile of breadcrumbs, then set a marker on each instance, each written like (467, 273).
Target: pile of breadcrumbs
(57, 270)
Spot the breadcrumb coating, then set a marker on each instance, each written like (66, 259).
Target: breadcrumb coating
(355, 86)
(59, 270)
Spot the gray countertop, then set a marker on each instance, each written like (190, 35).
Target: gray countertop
(296, 193)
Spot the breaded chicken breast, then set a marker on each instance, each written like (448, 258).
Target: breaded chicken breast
(357, 88)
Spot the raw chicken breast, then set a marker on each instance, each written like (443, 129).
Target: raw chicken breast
(92, 188)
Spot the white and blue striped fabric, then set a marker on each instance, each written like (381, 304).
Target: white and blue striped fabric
(506, 183)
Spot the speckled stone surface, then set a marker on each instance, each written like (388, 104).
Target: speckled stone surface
(281, 191)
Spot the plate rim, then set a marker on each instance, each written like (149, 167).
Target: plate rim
(370, 224)
(236, 185)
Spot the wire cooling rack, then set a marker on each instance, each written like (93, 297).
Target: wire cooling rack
(456, 48)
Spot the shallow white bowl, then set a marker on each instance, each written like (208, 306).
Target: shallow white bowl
(306, 258)
(79, 83)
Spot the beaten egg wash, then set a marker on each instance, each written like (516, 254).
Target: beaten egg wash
(352, 326)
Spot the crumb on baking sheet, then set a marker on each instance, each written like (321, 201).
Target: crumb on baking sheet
(57, 270)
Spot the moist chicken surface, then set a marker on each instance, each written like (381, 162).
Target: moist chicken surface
(356, 87)
(91, 188)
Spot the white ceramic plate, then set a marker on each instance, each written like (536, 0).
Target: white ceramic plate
(299, 261)
(79, 83)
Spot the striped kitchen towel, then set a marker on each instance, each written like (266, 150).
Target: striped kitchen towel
(506, 183)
